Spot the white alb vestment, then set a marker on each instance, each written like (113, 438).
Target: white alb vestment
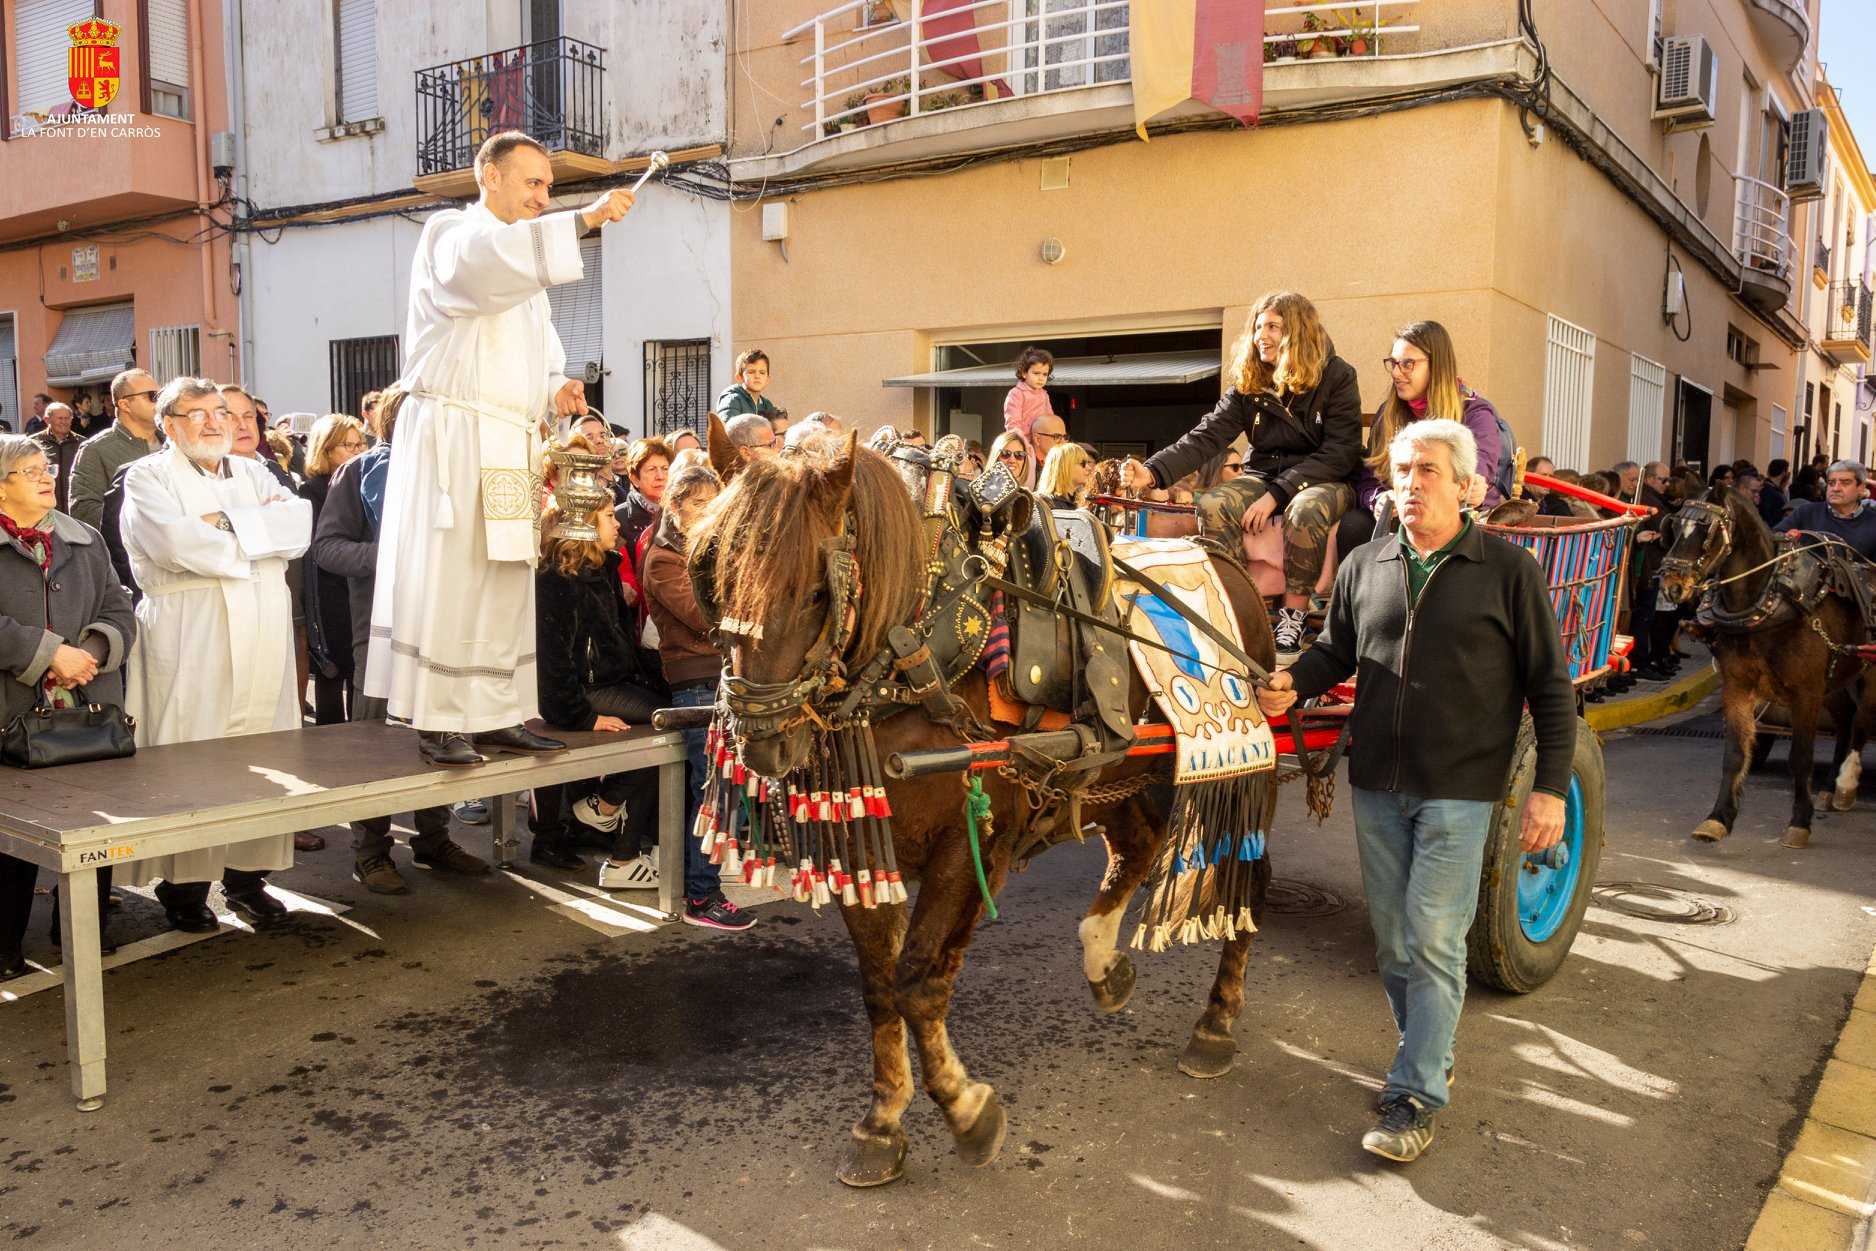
(214, 653)
(452, 624)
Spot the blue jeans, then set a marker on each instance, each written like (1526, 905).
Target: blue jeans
(701, 878)
(1420, 861)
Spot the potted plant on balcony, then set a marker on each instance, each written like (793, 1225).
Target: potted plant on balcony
(940, 100)
(1361, 32)
(1312, 44)
(888, 100)
(1283, 49)
(874, 13)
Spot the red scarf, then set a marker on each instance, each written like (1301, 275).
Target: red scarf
(28, 536)
(1418, 406)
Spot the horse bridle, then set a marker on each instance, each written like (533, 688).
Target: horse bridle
(769, 708)
(1700, 571)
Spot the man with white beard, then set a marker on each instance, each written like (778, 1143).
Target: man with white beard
(452, 628)
(209, 536)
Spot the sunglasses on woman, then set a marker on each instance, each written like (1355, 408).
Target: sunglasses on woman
(1012, 454)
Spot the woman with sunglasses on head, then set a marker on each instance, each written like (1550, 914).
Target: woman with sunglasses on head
(1298, 405)
(1423, 369)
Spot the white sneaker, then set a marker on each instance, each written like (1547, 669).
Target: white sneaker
(639, 874)
(586, 812)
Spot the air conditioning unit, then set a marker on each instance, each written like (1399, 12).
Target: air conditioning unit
(1687, 91)
(1804, 163)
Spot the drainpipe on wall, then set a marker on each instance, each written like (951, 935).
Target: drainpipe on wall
(201, 127)
(241, 251)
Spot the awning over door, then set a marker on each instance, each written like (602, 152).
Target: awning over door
(93, 345)
(1139, 370)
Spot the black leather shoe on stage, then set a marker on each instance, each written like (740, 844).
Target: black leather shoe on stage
(447, 747)
(257, 908)
(192, 919)
(555, 856)
(105, 946)
(12, 964)
(518, 738)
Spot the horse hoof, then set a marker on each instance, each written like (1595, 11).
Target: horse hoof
(1208, 1055)
(873, 1161)
(1112, 992)
(1842, 801)
(979, 1143)
(1710, 831)
(1796, 836)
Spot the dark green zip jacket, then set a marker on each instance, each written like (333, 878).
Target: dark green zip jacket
(1439, 689)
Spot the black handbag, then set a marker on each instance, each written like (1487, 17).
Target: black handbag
(42, 736)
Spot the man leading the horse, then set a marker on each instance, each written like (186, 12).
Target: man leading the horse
(1844, 511)
(1423, 796)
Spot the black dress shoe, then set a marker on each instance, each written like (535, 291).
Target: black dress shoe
(257, 908)
(447, 747)
(192, 919)
(555, 856)
(105, 946)
(518, 738)
(12, 964)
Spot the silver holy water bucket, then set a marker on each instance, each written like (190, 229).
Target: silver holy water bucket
(578, 490)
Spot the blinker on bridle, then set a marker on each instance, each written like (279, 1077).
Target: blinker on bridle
(1718, 542)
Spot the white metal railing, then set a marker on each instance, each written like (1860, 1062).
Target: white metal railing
(863, 75)
(1761, 232)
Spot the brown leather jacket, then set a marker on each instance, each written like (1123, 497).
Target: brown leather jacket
(684, 645)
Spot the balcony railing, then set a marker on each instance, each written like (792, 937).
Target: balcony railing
(1761, 239)
(925, 56)
(554, 90)
(1847, 319)
(1784, 25)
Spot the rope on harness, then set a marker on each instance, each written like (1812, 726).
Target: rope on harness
(977, 808)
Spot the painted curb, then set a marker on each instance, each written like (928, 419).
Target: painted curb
(1619, 714)
(1825, 1195)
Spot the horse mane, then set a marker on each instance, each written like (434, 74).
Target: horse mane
(770, 522)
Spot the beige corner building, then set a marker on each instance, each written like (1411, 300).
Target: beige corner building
(1838, 390)
(1605, 209)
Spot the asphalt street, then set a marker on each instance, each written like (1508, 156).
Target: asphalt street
(476, 1065)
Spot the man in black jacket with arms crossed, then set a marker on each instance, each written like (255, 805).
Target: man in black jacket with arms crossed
(1451, 634)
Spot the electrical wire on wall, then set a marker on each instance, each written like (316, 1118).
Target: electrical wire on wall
(1538, 101)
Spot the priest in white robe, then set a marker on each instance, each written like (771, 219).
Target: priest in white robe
(452, 627)
(209, 536)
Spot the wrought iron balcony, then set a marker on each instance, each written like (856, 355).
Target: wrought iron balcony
(1846, 334)
(554, 90)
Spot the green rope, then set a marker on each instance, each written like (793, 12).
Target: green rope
(977, 808)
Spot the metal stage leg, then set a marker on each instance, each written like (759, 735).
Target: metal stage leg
(504, 836)
(84, 986)
(671, 835)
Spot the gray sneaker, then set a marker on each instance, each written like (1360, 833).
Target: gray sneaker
(1404, 1131)
(472, 811)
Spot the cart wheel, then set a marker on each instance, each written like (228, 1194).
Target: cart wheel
(1529, 913)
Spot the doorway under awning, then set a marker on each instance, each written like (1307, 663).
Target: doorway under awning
(93, 345)
(1143, 369)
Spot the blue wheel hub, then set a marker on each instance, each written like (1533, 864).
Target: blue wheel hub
(1547, 880)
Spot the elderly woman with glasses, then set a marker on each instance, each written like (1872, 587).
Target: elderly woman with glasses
(335, 439)
(65, 628)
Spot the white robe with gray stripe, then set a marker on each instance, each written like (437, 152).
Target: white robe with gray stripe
(452, 627)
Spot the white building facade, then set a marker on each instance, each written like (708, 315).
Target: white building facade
(357, 118)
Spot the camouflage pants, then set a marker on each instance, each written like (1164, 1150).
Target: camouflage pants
(1308, 524)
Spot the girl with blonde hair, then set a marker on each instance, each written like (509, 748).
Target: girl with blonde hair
(1066, 475)
(1298, 406)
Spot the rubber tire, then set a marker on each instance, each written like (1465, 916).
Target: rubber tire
(1497, 952)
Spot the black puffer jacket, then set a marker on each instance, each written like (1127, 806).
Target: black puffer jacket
(581, 641)
(1296, 441)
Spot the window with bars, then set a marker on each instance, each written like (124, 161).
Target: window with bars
(9, 379)
(1647, 402)
(677, 385)
(175, 352)
(361, 365)
(1569, 393)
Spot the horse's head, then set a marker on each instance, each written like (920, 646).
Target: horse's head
(807, 560)
(1700, 536)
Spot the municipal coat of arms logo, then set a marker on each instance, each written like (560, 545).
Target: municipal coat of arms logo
(93, 66)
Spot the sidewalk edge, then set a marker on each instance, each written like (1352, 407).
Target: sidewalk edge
(1620, 714)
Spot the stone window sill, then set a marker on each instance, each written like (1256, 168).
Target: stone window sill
(349, 130)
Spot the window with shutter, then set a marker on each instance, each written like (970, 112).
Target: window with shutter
(357, 46)
(167, 51)
(40, 52)
(577, 312)
(9, 379)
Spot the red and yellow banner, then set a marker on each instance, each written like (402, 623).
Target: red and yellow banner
(1209, 50)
